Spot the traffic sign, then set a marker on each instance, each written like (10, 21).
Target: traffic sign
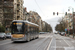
(65, 29)
(68, 29)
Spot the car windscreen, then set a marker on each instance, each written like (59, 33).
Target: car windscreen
(2, 33)
(8, 34)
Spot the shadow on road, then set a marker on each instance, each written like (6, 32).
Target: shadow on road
(20, 42)
(24, 41)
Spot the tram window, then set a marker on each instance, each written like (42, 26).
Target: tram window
(26, 29)
(35, 29)
(29, 29)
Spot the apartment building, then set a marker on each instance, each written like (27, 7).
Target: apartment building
(1, 12)
(68, 19)
(10, 10)
(69, 22)
(6, 12)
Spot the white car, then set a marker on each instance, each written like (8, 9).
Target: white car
(3, 36)
(62, 33)
(56, 32)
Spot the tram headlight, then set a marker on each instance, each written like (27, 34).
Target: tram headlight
(11, 35)
(23, 35)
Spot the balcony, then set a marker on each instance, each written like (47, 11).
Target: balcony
(8, 4)
(1, 3)
(1, 6)
(1, 15)
(8, 0)
(18, 14)
(1, 0)
(1, 11)
(18, 17)
(71, 20)
(8, 19)
(18, 3)
(18, 9)
(7, 22)
(8, 10)
(8, 16)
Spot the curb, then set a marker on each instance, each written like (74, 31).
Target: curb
(70, 36)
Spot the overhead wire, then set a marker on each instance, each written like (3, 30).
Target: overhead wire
(39, 7)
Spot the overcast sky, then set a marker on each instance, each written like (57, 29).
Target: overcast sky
(45, 9)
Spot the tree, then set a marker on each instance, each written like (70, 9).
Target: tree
(2, 29)
(61, 26)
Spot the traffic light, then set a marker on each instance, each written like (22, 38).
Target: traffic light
(65, 13)
(53, 13)
(68, 9)
(57, 13)
(6, 28)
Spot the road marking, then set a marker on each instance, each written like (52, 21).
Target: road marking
(59, 41)
(5, 43)
(49, 44)
(66, 42)
(72, 41)
(69, 48)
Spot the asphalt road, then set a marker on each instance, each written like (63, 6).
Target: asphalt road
(47, 41)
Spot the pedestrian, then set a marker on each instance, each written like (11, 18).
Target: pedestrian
(65, 34)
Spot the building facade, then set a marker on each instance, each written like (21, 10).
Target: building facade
(18, 9)
(7, 11)
(32, 17)
(1, 12)
(69, 21)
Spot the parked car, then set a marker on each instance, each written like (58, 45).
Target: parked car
(41, 32)
(62, 33)
(56, 32)
(3, 36)
(8, 35)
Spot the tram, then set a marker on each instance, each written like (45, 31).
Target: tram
(22, 30)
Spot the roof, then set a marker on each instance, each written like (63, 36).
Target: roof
(26, 22)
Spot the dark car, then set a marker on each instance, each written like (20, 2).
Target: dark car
(2, 36)
(62, 33)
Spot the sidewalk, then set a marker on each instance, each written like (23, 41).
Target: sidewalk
(71, 36)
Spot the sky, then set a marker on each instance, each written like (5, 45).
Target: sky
(45, 9)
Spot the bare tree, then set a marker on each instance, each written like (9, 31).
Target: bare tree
(61, 26)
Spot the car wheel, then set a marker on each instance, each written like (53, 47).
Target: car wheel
(3, 38)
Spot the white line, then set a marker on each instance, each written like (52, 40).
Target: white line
(66, 42)
(49, 44)
(5, 43)
(59, 41)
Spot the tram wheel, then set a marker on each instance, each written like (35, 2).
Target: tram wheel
(28, 39)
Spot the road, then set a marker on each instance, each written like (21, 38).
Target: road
(47, 41)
